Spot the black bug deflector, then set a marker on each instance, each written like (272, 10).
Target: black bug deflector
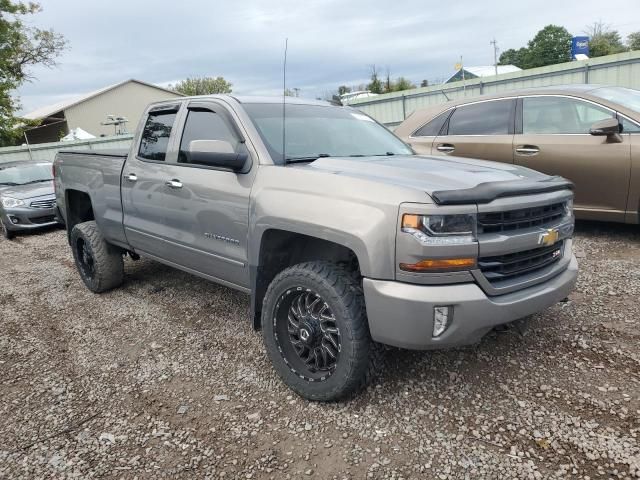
(489, 191)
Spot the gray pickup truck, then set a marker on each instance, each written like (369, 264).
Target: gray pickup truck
(344, 238)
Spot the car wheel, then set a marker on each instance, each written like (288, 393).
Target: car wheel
(100, 264)
(6, 233)
(315, 330)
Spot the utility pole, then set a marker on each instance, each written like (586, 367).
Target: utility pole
(495, 54)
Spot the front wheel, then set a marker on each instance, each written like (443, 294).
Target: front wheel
(315, 330)
(99, 263)
(6, 233)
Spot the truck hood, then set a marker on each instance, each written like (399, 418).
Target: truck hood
(448, 180)
(30, 190)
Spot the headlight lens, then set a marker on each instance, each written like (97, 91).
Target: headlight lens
(441, 229)
(9, 202)
(568, 207)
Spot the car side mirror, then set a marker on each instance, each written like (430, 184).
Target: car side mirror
(216, 153)
(609, 127)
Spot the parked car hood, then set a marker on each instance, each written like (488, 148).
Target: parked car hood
(445, 177)
(27, 191)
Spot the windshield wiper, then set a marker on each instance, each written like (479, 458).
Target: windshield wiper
(9, 184)
(306, 159)
(37, 181)
(388, 154)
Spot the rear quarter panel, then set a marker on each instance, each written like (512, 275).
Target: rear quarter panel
(99, 177)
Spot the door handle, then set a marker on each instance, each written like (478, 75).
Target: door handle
(445, 148)
(528, 150)
(132, 177)
(174, 183)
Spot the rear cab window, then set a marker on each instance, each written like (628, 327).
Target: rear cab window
(495, 117)
(156, 134)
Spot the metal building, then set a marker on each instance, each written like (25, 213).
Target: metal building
(126, 99)
(391, 109)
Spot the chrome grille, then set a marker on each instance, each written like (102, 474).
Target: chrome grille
(502, 267)
(544, 215)
(43, 203)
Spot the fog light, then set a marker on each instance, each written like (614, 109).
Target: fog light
(14, 219)
(442, 317)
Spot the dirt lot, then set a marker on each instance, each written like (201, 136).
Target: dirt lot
(166, 378)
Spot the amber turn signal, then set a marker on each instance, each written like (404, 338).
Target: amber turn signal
(411, 221)
(439, 264)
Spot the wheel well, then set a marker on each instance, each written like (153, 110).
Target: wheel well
(280, 249)
(79, 209)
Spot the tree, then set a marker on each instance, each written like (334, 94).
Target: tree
(342, 89)
(513, 57)
(375, 85)
(551, 45)
(21, 47)
(633, 41)
(402, 83)
(603, 40)
(202, 86)
(424, 83)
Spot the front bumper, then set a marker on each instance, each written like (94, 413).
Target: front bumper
(28, 218)
(401, 314)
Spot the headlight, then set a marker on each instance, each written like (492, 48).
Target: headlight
(8, 202)
(441, 229)
(568, 207)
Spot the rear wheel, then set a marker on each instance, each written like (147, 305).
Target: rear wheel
(100, 264)
(315, 330)
(6, 233)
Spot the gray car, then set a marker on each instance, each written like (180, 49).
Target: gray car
(27, 198)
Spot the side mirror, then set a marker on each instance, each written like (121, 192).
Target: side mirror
(216, 153)
(609, 127)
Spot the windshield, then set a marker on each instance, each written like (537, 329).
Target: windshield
(626, 97)
(25, 173)
(314, 131)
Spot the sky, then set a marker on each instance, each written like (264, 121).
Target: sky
(331, 42)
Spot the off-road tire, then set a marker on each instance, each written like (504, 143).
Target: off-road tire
(6, 233)
(360, 359)
(108, 266)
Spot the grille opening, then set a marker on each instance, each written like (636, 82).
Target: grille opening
(494, 222)
(44, 219)
(511, 265)
(43, 204)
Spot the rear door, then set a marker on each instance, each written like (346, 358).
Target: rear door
(143, 182)
(479, 130)
(554, 138)
(422, 139)
(207, 208)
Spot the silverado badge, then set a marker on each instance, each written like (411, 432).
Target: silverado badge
(549, 237)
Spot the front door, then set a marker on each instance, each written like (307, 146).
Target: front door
(479, 130)
(555, 140)
(143, 184)
(207, 209)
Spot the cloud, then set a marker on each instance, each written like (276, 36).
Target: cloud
(331, 42)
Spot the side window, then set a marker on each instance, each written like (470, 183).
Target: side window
(155, 135)
(628, 126)
(560, 115)
(485, 118)
(204, 124)
(433, 128)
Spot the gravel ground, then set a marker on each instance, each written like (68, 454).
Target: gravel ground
(165, 377)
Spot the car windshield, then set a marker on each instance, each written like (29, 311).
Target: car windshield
(314, 131)
(627, 97)
(25, 173)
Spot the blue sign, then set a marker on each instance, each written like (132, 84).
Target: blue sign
(579, 45)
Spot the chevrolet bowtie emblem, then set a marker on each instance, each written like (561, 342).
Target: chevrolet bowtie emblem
(549, 237)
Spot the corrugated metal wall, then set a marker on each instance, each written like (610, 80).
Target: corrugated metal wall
(47, 151)
(392, 108)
